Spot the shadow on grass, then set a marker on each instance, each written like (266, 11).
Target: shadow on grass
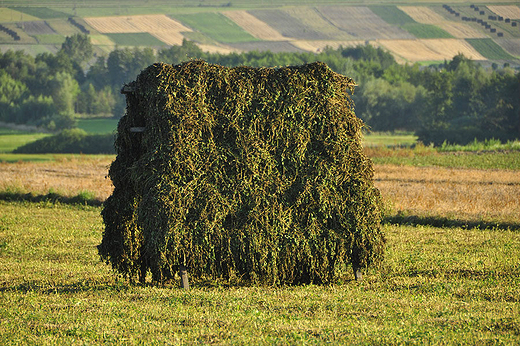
(74, 287)
(439, 221)
(81, 198)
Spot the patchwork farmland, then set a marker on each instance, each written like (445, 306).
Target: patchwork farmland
(418, 32)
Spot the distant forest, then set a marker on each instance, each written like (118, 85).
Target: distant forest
(456, 101)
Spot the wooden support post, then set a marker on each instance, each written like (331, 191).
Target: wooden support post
(183, 273)
(358, 274)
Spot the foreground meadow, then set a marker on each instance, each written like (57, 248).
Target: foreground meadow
(451, 273)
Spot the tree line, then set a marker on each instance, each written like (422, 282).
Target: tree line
(456, 101)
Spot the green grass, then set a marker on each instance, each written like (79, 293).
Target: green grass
(216, 26)
(486, 160)
(11, 141)
(99, 125)
(392, 15)
(49, 39)
(487, 145)
(8, 157)
(436, 286)
(426, 31)
(489, 49)
(389, 139)
(135, 39)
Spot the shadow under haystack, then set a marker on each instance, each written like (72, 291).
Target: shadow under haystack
(253, 175)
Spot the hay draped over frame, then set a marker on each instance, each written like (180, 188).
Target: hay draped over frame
(248, 174)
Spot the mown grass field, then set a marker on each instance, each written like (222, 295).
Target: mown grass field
(216, 26)
(135, 39)
(444, 280)
(12, 140)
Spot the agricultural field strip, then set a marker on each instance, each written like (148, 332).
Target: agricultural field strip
(471, 193)
(361, 23)
(254, 26)
(430, 49)
(317, 46)
(311, 17)
(7, 15)
(37, 28)
(511, 12)
(426, 15)
(511, 45)
(288, 25)
(161, 26)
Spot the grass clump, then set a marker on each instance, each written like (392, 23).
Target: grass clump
(242, 174)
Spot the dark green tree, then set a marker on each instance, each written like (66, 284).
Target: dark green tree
(79, 48)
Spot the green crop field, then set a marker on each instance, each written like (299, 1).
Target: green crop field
(135, 39)
(42, 12)
(50, 39)
(216, 26)
(489, 49)
(392, 15)
(11, 141)
(426, 31)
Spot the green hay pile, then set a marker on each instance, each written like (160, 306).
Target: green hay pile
(252, 175)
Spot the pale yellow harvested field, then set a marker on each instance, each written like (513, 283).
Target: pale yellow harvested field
(425, 15)
(422, 14)
(133, 24)
(469, 194)
(67, 177)
(254, 26)
(461, 30)
(163, 27)
(217, 49)
(101, 40)
(169, 37)
(431, 49)
(511, 12)
(318, 46)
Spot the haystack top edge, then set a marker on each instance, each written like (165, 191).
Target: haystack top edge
(318, 68)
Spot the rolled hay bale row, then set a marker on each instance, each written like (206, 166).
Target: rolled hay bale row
(248, 175)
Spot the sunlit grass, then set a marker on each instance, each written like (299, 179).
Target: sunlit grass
(437, 285)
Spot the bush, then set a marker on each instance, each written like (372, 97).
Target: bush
(73, 141)
(253, 175)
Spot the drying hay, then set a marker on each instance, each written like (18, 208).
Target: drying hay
(250, 175)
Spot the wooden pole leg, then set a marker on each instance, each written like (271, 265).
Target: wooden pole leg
(183, 273)
(358, 274)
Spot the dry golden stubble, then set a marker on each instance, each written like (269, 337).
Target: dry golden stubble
(65, 177)
(469, 194)
(434, 191)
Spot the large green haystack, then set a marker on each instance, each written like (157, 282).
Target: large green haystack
(254, 175)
